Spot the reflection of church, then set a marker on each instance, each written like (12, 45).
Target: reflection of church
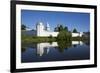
(41, 51)
(75, 43)
(44, 48)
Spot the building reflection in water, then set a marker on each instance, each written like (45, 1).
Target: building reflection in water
(44, 48)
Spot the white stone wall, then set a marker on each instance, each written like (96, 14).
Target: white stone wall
(47, 34)
(77, 34)
(81, 33)
(41, 31)
(54, 34)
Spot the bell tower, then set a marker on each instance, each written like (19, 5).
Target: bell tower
(48, 27)
(39, 28)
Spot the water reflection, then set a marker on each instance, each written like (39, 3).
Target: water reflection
(76, 43)
(55, 51)
(44, 48)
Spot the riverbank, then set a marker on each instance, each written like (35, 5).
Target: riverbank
(34, 39)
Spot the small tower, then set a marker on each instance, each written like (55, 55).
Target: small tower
(48, 27)
(39, 28)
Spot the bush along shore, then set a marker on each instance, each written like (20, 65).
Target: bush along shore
(62, 36)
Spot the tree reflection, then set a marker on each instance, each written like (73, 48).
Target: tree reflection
(63, 45)
(86, 42)
(74, 45)
(25, 46)
(23, 49)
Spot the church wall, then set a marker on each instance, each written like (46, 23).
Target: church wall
(54, 34)
(43, 32)
(48, 33)
(76, 34)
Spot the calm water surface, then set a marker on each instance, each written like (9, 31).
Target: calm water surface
(55, 51)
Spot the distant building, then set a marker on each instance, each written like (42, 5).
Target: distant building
(43, 31)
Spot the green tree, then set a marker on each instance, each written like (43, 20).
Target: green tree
(66, 28)
(61, 28)
(23, 27)
(64, 36)
(74, 30)
(63, 45)
(56, 29)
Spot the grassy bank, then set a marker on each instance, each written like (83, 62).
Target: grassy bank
(80, 38)
(34, 39)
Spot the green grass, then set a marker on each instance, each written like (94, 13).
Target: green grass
(80, 38)
(34, 39)
(31, 41)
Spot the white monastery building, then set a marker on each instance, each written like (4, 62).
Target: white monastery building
(45, 31)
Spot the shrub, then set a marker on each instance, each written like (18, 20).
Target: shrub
(51, 36)
(63, 35)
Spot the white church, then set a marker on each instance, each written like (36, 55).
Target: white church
(44, 31)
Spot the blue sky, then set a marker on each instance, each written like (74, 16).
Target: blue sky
(80, 21)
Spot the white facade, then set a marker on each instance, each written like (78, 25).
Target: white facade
(43, 31)
(77, 34)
